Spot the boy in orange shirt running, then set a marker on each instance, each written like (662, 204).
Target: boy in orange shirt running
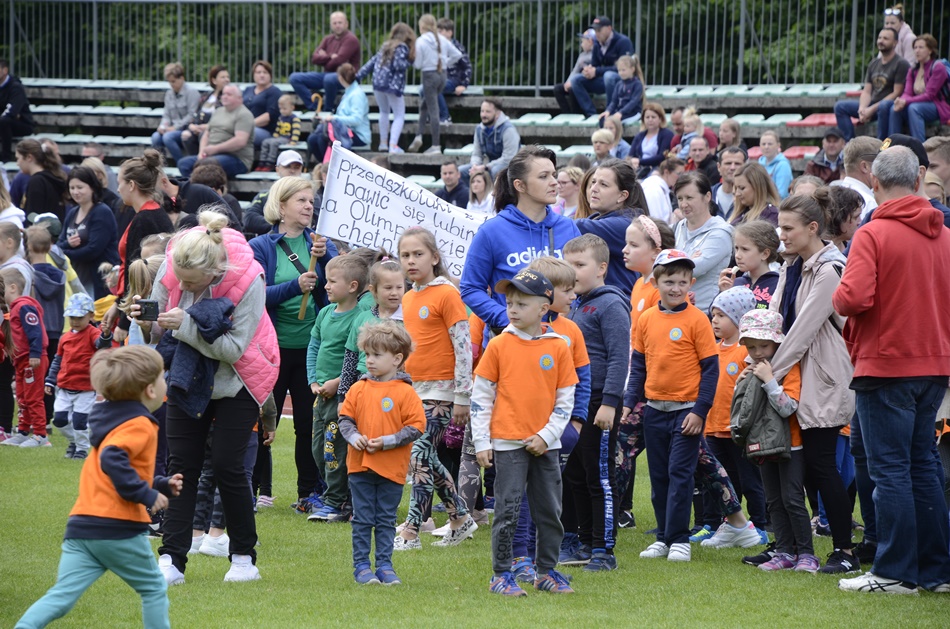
(521, 434)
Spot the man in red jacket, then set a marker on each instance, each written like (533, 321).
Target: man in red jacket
(339, 47)
(895, 292)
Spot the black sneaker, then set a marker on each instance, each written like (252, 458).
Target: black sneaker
(823, 530)
(80, 455)
(840, 562)
(626, 520)
(70, 451)
(764, 557)
(865, 552)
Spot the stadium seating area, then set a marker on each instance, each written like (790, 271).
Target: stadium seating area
(121, 116)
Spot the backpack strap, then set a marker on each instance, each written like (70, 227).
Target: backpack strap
(293, 257)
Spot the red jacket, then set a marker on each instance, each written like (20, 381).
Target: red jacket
(76, 350)
(895, 292)
(26, 327)
(346, 47)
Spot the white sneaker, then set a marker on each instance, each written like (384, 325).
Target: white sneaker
(435, 149)
(728, 536)
(401, 543)
(679, 552)
(427, 527)
(242, 569)
(869, 582)
(442, 531)
(196, 543)
(173, 576)
(655, 551)
(16, 440)
(35, 441)
(215, 546)
(459, 535)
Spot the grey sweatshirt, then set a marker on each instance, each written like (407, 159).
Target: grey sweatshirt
(603, 315)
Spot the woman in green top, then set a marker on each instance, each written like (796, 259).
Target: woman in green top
(285, 254)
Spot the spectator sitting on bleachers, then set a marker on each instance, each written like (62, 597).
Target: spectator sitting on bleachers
(883, 83)
(828, 164)
(96, 150)
(600, 141)
(626, 101)
(730, 160)
(562, 91)
(218, 77)
(209, 173)
(600, 77)
(458, 76)
(619, 148)
(287, 131)
(677, 123)
(649, 147)
(777, 165)
(938, 152)
(350, 125)
(859, 155)
(894, 19)
(181, 102)
(657, 187)
(496, 141)
(15, 117)
(729, 136)
(922, 100)
(702, 159)
(261, 99)
(289, 164)
(339, 47)
(453, 189)
(228, 139)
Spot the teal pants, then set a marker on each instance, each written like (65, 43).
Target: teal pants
(85, 560)
(329, 451)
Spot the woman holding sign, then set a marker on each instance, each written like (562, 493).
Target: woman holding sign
(285, 253)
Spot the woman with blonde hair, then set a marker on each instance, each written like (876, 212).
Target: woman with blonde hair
(568, 190)
(756, 197)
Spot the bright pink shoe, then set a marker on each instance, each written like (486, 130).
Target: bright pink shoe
(781, 561)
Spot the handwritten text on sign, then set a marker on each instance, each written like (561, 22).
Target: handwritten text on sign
(368, 206)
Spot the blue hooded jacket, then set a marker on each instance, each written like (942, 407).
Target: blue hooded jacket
(503, 246)
(612, 227)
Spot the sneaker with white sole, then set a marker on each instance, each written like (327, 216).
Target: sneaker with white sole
(36, 441)
(401, 543)
(870, 582)
(265, 501)
(427, 527)
(943, 588)
(242, 569)
(416, 144)
(679, 552)
(17, 439)
(656, 550)
(173, 576)
(728, 536)
(435, 149)
(442, 531)
(196, 543)
(459, 535)
(215, 546)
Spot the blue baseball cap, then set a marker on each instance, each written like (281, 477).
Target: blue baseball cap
(79, 305)
(529, 283)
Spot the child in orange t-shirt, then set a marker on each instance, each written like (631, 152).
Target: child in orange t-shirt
(380, 417)
(520, 432)
(761, 333)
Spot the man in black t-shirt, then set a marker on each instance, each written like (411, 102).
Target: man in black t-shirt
(454, 191)
(884, 82)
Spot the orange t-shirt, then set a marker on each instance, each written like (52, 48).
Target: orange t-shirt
(381, 409)
(476, 328)
(643, 296)
(673, 344)
(731, 363)
(572, 334)
(528, 375)
(792, 384)
(428, 314)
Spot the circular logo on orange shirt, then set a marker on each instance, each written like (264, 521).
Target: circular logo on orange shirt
(547, 362)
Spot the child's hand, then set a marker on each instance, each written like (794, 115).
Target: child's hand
(160, 503)
(361, 443)
(484, 458)
(745, 373)
(374, 445)
(329, 388)
(48, 390)
(625, 413)
(269, 437)
(605, 417)
(35, 363)
(460, 414)
(726, 280)
(315, 388)
(175, 483)
(692, 425)
(763, 370)
(535, 445)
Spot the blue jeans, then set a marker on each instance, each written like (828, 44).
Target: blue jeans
(897, 424)
(847, 109)
(261, 134)
(375, 501)
(170, 140)
(306, 83)
(231, 164)
(319, 141)
(449, 89)
(672, 461)
(583, 87)
(916, 115)
(85, 560)
(864, 483)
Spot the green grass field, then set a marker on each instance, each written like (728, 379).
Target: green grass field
(307, 575)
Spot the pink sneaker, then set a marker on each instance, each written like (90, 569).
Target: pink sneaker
(781, 561)
(807, 563)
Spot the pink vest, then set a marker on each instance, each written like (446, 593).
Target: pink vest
(259, 365)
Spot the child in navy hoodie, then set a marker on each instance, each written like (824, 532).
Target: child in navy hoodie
(627, 100)
(603, 314)
(107, 527)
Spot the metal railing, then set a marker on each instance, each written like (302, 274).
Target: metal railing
(514, 44)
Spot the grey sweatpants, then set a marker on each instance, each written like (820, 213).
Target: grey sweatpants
(432, 85)
(514, 471)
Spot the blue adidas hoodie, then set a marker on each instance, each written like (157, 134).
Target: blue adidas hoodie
(612, 227)
(503, 246)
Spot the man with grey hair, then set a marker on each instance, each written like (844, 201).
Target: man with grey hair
(896, 272)
(859, 154)
(227, 139)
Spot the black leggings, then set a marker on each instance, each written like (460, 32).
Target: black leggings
(293, 377)
(818, 447)
(6, 395)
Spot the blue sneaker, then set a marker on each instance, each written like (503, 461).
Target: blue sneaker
(763, 536)
(506, 586)
(601, 562)
(365, 576)
(580, 557)
(326, 513)
(387, 576)
(309, 504)
(554, 582)
(489, 504)
(701, 534)
(569, 545)
(523, 569)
